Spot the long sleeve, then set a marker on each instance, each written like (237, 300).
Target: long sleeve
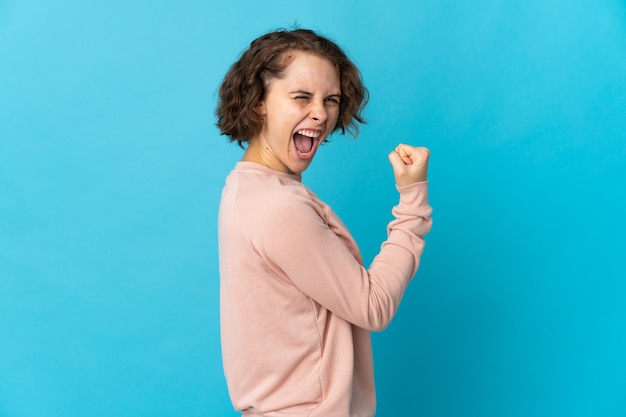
(305, 243)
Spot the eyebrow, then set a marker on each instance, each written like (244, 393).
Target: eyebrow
(338, 95)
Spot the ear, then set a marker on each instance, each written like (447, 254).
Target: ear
(261, 110)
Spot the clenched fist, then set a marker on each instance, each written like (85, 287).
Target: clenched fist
(409, 164)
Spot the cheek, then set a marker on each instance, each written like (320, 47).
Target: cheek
(334, 116)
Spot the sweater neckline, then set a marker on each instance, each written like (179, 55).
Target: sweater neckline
(255, 166)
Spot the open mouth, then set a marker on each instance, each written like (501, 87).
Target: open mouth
(304, 140)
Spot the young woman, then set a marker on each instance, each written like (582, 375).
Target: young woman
(297, 303)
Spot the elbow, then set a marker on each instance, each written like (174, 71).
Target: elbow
(380, 319)
(379, 327)
(381, 309)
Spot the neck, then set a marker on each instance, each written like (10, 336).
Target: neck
(252, 153)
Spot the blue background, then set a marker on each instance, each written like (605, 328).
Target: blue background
(111, 169)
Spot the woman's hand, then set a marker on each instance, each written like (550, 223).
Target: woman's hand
(409, 164)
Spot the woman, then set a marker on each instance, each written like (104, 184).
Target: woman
(297, 304)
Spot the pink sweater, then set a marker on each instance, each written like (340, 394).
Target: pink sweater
(296, 303)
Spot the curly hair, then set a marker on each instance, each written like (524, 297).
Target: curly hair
(244, 85)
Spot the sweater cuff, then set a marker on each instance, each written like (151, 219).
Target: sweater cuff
(413, 196)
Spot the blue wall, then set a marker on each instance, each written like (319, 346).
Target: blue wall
(111, 169)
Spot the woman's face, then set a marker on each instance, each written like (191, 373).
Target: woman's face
(300, 111)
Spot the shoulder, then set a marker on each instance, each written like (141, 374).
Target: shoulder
(259, 199)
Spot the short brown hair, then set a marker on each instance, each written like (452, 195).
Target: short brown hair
(243, 87)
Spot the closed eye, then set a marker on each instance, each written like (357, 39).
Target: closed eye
(301, 95)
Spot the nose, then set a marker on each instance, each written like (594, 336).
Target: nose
(319, 112)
